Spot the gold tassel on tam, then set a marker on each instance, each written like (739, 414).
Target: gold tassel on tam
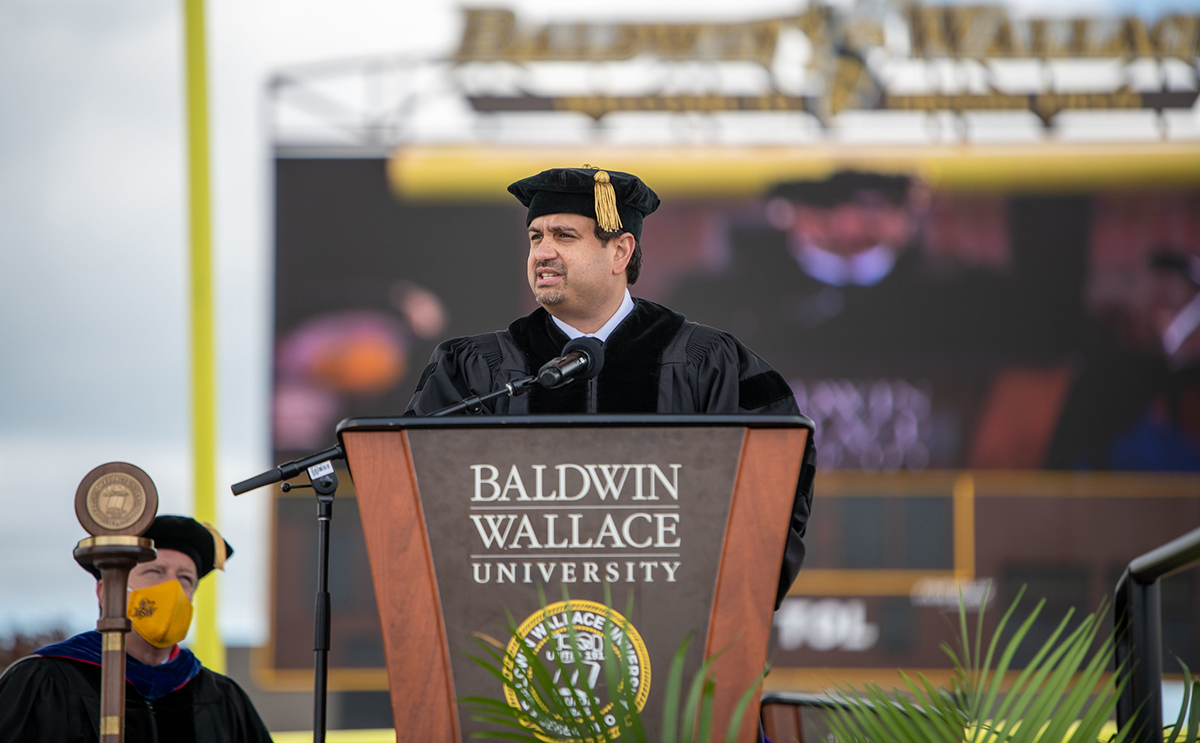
(219, 553)
(606, 203)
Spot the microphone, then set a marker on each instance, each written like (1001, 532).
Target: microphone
(288, 470)
(581, 358)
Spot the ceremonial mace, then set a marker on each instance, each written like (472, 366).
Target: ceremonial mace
(115, 503)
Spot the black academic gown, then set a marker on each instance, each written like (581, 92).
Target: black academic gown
(57, 700)
(654, 362)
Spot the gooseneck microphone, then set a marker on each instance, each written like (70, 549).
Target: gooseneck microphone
(581, 358)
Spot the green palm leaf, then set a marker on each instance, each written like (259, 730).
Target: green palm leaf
(1063, 694)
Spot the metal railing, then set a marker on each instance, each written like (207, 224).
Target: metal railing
(793, 727)
(1138, 623)
(788, 722)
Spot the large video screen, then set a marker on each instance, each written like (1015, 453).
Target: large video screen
(968, 354)
(920, 328)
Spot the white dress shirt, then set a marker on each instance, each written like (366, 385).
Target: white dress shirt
(603, 333)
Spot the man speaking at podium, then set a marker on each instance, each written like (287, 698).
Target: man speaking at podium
(585, 228)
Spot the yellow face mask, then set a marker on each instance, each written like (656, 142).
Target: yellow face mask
(161, 614)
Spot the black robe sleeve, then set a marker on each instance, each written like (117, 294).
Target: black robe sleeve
(727, 377)
(223, 712)
(55, 700)
(458, 368)
(37, 705)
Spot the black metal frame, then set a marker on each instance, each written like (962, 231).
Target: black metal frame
(822, 702)
(1137, 614)
(815, 701)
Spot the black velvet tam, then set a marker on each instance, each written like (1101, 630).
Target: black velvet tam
(572, 191)
(844, 187)
(186, 535)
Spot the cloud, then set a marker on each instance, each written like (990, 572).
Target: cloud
(90, 217)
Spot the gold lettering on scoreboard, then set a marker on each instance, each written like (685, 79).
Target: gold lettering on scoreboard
(825, 61)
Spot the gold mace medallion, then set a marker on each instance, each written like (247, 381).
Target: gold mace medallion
(116, 498)
(116, 501)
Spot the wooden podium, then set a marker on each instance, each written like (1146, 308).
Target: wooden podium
(464, 517)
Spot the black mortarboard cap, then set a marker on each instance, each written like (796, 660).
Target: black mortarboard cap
(201, 542)
(617, 201)
(845, 186)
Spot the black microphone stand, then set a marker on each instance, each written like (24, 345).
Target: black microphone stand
(324, 482)
(325, 485)
(474, 403)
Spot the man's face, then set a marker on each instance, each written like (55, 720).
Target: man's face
(570, 270)
(851, 228)
(169, 565)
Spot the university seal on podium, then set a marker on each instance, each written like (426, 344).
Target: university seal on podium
(575, 637)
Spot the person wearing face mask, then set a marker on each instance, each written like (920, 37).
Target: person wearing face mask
(54, 694)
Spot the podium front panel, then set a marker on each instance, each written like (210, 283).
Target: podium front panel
(464, 525)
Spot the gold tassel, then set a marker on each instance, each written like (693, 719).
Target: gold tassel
(606, 203)
(218, 547)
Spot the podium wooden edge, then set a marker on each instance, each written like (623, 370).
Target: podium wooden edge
(744, 602)
(399, 553)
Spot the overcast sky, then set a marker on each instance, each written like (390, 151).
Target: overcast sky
(94, 338)
(94, 335)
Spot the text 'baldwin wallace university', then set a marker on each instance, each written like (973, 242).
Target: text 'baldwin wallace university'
(576, 523)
